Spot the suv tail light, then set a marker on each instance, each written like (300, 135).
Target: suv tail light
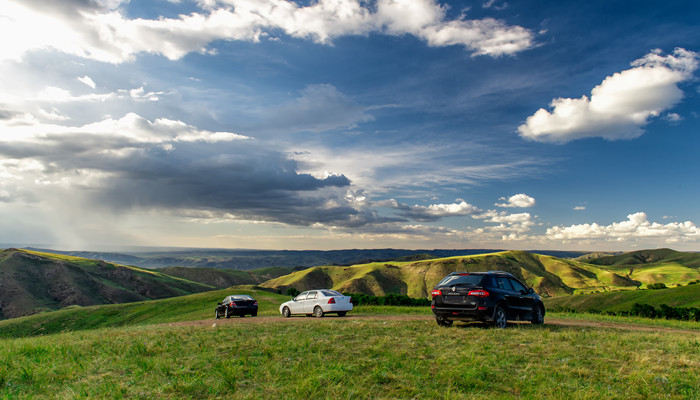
(232, 304)
(478, 293)
(350, 300)
(331, 300)
(256, 303)
(436, 293)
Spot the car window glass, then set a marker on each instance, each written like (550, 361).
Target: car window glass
(504, 283)
(312, 295)
(462, 280)
(301, 296)
(225, 300)
(329, 293)
(517, 285)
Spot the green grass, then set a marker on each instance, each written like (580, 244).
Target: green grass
(335, 358)
(640, 321)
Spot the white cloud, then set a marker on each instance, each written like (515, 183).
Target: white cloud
(620, 106)
(88, 81)
(431, 212)
(580, 208)
(133, 128)
(520, 200)
(673, 118)
(102, 33)
(637, 226)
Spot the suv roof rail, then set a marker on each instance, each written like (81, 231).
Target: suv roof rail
(500, 272)
(459, 272)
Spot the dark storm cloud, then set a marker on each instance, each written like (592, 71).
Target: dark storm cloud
(240, 179)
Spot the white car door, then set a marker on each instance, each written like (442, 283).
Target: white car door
(310, 302)
(297, 306)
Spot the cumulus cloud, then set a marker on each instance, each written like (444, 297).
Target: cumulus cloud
(620, 106)
(637, 226)
(100, 31)
(520, 200)
(431, 212)
(513, 223)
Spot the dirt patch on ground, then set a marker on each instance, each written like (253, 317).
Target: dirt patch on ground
(565, 323)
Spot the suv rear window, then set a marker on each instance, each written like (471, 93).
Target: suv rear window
(461, 280)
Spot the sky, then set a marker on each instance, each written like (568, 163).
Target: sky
(336, 124)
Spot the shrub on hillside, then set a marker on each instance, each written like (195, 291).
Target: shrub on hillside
(657, 286)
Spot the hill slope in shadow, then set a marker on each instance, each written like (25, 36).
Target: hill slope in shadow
(32, 282)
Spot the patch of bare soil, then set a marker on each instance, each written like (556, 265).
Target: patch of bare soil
(567, 323)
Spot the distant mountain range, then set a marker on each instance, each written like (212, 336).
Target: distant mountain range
(252, 259)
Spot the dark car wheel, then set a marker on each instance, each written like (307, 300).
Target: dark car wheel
(228, 315)
(216, 314)
(342, 313)
(443, 321)
(318, 312)
(500, 320)
(254, 314)
(538, 314)
(285, 312)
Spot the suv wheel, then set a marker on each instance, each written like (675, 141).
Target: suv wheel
(500, 320)
(537, 314)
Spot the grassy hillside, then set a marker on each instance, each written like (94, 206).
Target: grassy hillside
(685, 296)
(341, 358)
(652, 266)
(184, 308)
(223, 278)
(32, 282)
(548, 275)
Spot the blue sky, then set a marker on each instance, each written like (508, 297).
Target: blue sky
(338, 124)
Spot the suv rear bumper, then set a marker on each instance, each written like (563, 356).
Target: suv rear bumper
(464, 314)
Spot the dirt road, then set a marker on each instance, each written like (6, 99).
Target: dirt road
(557, 322)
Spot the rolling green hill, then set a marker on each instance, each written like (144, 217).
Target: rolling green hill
(550, 276)
(684, 296)
(32, 282)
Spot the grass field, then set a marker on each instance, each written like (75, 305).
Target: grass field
(345, 358)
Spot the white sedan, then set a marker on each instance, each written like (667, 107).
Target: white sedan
(317, 303)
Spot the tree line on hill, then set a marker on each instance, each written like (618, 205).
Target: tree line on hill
(649, 311)
(391, 299)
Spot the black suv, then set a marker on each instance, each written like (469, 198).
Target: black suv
(494, 297)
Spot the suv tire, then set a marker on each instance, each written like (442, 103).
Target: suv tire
(537, 314)
(500, 319)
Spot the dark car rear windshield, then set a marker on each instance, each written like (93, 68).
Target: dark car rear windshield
(461, 280)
